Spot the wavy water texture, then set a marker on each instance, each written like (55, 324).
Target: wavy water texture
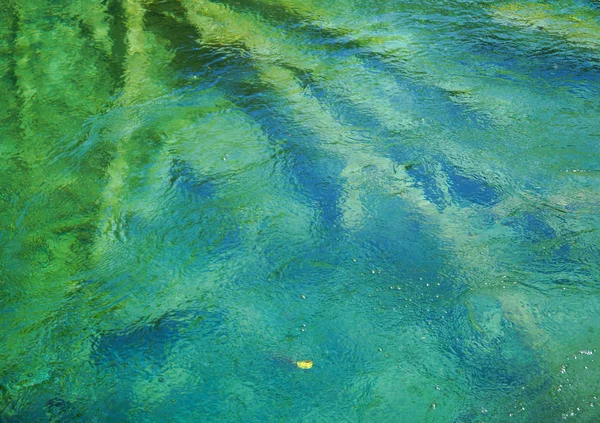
(198, 194)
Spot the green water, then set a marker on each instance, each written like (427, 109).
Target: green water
(195, 195)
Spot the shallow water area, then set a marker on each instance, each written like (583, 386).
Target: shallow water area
(199, 198)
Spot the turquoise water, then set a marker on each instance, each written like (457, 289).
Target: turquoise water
(196, 195)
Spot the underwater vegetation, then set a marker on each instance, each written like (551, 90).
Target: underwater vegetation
(272, 210)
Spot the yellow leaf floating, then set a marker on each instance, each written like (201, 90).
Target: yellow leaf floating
(305, 364)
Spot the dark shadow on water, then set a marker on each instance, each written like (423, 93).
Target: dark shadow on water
(464, 189)
(470, 188)
(150, 340)
(425, 179)
(188, 181)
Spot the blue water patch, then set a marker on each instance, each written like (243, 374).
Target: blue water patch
(185, 178)
(463, 189)
(534, 228)
(152, 337)
(545, 249)
(471, 188)
(425, 179)
(318, 176)
(147, 340)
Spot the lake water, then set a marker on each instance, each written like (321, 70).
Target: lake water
(196, 195)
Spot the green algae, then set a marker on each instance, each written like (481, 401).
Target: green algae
(577, 26)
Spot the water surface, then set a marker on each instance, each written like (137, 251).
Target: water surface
(195, 195)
